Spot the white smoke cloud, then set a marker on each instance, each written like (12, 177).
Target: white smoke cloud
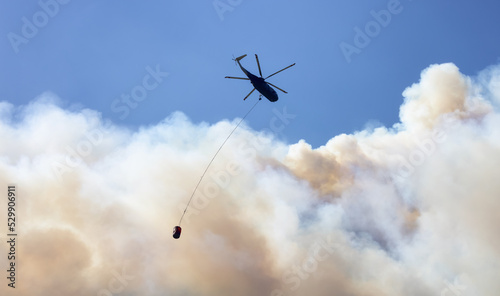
(406, 210)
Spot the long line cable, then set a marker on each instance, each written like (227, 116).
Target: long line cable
(208, 166)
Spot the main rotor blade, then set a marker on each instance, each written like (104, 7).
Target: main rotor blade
(276, 87)
(249, 94)
(280, 70)
(237, 78)
(258, 64)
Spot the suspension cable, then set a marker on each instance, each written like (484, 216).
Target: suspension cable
(208, 166)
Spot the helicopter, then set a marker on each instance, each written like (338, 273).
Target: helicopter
(265, 90)
(259, 83)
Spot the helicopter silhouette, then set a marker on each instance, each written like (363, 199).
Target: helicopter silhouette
(259, 83)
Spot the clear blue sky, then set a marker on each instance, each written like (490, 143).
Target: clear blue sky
(89, 53)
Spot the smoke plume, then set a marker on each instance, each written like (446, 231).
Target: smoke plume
(410, 209)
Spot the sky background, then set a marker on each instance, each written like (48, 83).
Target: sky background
(375, 175)
(91, 52)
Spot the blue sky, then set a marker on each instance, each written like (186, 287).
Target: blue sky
(89, 53)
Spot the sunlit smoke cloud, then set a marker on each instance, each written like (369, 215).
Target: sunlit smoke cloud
(410, 209)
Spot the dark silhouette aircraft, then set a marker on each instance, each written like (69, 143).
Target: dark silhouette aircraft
(259, 83)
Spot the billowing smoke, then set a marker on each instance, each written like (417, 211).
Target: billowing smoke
(406, 210)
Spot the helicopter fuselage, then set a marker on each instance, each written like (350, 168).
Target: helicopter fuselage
(260, 85)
